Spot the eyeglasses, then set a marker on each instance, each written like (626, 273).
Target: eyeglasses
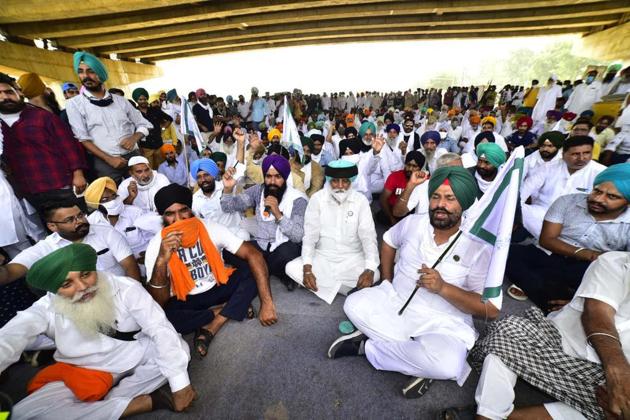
(71, 219)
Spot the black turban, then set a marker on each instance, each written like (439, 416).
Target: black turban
(171, 194)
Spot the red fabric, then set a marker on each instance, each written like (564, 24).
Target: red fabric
(85, 384)
(394, 181)
(41, 151)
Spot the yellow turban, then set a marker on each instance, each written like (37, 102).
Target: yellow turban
(154, 97)
(31, 85)
(489, 119)
(94, 191)
(274, 133)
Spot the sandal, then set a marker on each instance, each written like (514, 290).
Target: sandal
(251, 313)
(516, 293)
(202, 341)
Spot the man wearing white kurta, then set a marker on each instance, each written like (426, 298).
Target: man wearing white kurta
(115, 347)
(549, 147)
(574, 173)
(431, 338)
(339, 248)
(547, 97)
(585, 95)
(141, 187)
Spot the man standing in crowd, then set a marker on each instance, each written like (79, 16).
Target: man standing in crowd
(107, 125)
(45, 160)
(339, 249)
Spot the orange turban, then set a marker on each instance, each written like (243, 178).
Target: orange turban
(350, 120)
(31, 85)
(475, 119)
(166, 148)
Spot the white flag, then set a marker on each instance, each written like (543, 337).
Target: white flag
(490, 221)
(189, 126)
(290, 135)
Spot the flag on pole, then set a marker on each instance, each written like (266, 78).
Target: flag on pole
(490, 221)
(188, 126)
(290, 136)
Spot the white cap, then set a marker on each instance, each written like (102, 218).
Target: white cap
(136, 160)
(554, 77)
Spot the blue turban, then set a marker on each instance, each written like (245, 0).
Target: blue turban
(92, 61)
(619, 175)
(279, 163)
(171, 94)
(341, 169)
(206, 165)
(430, 135)
(391, 127)
(66, 86)
(367, 126)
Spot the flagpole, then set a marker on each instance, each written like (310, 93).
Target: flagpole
(432, 267)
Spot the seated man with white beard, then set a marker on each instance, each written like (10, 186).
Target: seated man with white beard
(430, 141)
(116, 351)
(431, 339)
(68, 225)
(339, 250)
(144, 183)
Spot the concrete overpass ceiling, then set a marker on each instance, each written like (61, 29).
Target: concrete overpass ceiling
(166, 29)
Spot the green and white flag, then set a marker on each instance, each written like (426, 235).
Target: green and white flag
(490, 221)
(188, 126)
(290, 135)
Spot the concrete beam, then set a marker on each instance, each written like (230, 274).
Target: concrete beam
(166, 16)
(14, 11)
(57, 65)
(140, 19)
(333, 40)
(609, 44)
(352, 14)
(477, 21)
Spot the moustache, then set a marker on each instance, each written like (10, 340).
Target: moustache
(79, 295)
(82, 227)
(442, 209)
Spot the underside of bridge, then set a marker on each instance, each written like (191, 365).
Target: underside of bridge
(152, 30)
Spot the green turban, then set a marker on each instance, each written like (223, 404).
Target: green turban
(555, 137)
(92, 61)
(306, 141)
(461, 181)
(171, 95)
(138, 92)
(367, 126)
(492, 152)
(50, 272)
(219, 157)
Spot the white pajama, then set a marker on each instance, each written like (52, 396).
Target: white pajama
(399, 343)
(495, 394)
(56, 401)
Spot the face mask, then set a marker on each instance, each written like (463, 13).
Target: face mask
(340, 196)
(590, 79)
(114, 207)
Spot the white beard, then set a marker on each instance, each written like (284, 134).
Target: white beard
(97, 315)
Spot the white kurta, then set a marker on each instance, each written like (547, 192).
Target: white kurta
(146, 193)
(133, 224)
(431, 338)
(157, 355)
(16, 223)
(209, 208)
(533, 161)
(547, 97)
(545, 186)
(583, 97)
(339, 242)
